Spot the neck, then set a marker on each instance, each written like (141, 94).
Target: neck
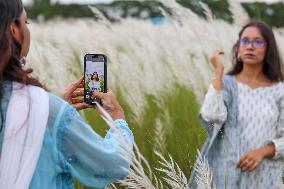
(252, 73)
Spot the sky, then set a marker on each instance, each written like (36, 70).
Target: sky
(108, 1)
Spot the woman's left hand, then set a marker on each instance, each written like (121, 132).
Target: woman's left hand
(251, 160)
(74, 94)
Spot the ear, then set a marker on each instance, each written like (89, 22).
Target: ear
(236, 49)
(15, 32)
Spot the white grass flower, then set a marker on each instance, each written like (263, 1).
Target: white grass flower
(160, 137)
(175, 178)
(204, 175)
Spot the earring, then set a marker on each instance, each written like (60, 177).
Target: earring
(22, 61)
(239, 58)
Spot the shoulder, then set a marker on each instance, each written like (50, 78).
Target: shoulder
(56, 103)
(278, 90)
(228, 80)
(36, 95)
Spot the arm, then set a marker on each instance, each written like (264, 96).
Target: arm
(94, 160)
(278, 142)
(213, 109)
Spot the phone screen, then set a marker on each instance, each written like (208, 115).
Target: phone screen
(95, 76)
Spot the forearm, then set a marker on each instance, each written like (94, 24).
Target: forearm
(213, 108)
(218, 82)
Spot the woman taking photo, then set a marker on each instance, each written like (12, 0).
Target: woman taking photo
(243, 113)
(44, 142)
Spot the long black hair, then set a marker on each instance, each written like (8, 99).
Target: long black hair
(93, 76)
(272, 67)
(10, 49)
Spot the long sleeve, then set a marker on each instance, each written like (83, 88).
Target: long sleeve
(279, 140)
(95, 161)
(213, 109)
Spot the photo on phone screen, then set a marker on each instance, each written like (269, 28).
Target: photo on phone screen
(95, 76)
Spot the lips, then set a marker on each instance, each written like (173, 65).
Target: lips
(249, 55)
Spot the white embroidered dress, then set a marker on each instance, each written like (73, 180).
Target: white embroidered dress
(261, 120)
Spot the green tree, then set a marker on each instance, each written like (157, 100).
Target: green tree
(37, 2)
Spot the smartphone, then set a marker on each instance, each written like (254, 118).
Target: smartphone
(95, 76)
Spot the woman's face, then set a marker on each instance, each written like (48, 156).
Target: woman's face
(252, 46)
(21, 33)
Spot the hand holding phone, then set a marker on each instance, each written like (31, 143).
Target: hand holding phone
(110, 104)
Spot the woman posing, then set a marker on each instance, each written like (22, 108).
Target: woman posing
(243, 113)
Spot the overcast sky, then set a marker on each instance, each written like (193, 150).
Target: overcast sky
(108, 1)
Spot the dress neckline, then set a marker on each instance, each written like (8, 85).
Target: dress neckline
(257, 88)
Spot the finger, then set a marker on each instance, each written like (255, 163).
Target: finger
(241, 161)
(29, 70)
(242, 164)
(97, 94)
(244, 169)
(81, 85)
(253, 167)
(76, 84)
(77, 100)
(80, 82)
(107, 103)
(219, 52)
(249, 165)
(78, 94)
(110, 92)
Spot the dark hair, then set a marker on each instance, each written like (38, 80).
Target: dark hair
(272, 66)
(10, 49)
(97, 78)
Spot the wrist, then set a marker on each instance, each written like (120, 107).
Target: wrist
(217, 84)
(268, 151)
(118, 114)
(219, 70)
(218, 74)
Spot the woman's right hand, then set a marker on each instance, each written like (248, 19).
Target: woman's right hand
(74, 91)
(219, 69)
(110, 104)
(217, 64)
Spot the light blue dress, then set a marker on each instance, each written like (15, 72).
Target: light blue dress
(72, 149)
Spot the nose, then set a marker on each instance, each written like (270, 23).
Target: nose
(250, 46)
